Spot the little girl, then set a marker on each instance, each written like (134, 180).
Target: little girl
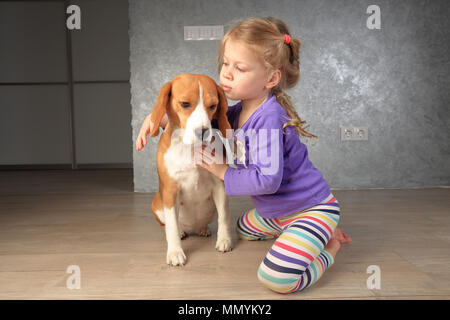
(293, 203)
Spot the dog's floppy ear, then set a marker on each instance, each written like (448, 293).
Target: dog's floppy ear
(221, 113)
(160, 107)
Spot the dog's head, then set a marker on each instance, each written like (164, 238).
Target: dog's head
(191, 102)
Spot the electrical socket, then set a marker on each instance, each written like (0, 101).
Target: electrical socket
(354, 133)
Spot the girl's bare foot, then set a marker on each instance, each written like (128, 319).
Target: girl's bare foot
(341, 236)
(333, 247)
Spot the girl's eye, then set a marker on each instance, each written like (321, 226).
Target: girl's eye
(185, 104)
(212, 107)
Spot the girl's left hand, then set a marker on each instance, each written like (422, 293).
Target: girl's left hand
(209, 162)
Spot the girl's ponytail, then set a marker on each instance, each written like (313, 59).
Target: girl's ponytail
(290, 70)
(285, 101)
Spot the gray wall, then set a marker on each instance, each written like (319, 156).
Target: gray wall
(394, 80)
(34, 118)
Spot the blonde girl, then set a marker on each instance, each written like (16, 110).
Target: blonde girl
(258, 60)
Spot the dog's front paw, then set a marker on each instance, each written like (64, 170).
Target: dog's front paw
(223, 245)
(176, 258)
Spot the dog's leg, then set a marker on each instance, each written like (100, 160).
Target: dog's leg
(175, 254)
(223, 243)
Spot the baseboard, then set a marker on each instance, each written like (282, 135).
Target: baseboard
(86, 166)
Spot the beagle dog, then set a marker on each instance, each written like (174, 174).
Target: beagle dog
(188, 195)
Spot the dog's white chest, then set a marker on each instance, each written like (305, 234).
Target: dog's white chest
(179, 161)
(191, 179)
(195, 186)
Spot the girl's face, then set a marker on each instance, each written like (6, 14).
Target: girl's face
(243, 76)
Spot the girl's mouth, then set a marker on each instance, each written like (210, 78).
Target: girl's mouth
(226, 88)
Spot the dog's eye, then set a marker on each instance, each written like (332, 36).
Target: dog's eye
(185, 105)
(213, 107)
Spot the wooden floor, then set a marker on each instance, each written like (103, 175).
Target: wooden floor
(50, 220)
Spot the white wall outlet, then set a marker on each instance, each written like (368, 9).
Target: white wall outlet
(362, 133)
(354, 133)
(203, 32)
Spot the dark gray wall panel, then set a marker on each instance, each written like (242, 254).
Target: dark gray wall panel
(101, 110)
(34, 125)
(32, 41)
(100, 48)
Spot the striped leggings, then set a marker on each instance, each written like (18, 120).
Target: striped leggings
(297, 258)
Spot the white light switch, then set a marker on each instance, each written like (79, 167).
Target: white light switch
(203, 32)
(189, 33)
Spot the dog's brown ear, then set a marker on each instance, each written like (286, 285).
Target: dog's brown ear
(221, 113)
(160, 107)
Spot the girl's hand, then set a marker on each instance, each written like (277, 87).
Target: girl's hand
(209, 162)
(141, 140)
(146, 127)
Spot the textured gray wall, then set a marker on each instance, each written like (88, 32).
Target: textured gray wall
(394, 80)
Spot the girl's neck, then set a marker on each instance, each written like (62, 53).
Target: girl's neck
(251, 105)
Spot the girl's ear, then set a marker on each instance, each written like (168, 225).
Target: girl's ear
(274, 79)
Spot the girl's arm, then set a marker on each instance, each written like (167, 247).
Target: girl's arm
(251, 181)
(265, 170)
(266, 162)
(146, 127)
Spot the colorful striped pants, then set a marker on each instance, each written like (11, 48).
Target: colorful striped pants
(297, 259)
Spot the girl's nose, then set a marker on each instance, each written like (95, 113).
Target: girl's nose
(227, 74)
(224, 71)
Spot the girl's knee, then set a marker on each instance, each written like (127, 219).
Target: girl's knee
(279, 285)
(244, 232)
(246, 236)
(250, 226)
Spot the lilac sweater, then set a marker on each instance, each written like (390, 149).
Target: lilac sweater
(278, 175)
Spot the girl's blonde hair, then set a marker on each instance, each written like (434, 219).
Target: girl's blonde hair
(266, 37)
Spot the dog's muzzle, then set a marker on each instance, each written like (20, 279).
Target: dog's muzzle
(203, 134)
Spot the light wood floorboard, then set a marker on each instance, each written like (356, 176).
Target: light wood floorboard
(52, 219)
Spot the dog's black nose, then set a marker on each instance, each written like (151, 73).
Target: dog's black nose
(203, 134)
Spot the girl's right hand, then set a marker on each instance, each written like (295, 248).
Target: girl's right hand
(146, 127)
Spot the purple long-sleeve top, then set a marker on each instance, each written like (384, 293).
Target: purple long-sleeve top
(277, 174)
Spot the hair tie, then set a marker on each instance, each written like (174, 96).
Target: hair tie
(287, 39)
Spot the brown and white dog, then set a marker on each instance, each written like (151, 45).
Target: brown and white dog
(188, 195)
